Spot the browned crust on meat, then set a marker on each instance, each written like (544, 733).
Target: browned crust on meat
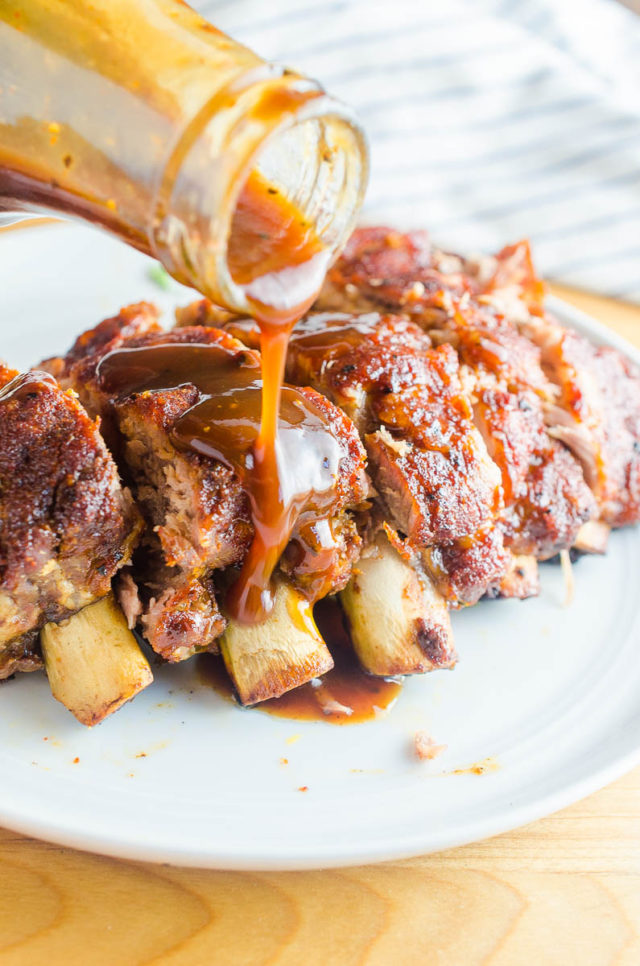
(466, 569)
(195, 505)
(473, 309)
(76, 370)
(23, 654)
(596, 412)
(431, 466)
(382, 267)
(432, 474)
(598, 417)
(184, 620)
(66, 523)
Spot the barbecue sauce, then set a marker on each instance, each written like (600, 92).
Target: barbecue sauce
(276, 256)
(25, 386)
(345, 695)
(224, 424)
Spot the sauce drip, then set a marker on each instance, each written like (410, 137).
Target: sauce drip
(26, 384)
(345, 695)
(224, 424)
(276, 256)
(329, 334)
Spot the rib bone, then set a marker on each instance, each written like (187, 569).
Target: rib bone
(93, 661)
(284, 651)
(399, 623)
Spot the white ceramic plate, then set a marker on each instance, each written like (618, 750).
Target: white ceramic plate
(550, 693)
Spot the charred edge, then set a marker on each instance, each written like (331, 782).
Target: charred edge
(434, 642)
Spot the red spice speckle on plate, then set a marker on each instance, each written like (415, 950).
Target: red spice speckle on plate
(479, 767)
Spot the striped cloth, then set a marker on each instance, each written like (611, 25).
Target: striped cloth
(488, 120)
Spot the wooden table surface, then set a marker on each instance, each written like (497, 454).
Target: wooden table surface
(563, 891)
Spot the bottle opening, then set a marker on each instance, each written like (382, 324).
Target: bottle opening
(293, 213)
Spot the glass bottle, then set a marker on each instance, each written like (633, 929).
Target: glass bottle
(141, 117)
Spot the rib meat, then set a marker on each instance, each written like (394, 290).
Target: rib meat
(596, 411)
(66, 523)
(430, 466)
(545, 496)
(354, 371)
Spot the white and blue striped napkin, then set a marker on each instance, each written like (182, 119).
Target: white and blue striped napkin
(489, 120)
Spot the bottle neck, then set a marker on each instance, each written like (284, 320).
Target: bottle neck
(155, 131)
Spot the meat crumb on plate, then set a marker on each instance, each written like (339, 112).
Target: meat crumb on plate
(425, 748)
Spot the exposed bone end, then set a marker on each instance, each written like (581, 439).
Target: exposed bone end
(399, 623)
(282, 652)
(521, 580)
(93, 661)
(592, 537)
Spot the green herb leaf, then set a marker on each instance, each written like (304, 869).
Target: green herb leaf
(160, 276)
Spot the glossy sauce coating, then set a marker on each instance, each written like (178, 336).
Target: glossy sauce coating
(224, 425)
(346, 695)
(25, 385)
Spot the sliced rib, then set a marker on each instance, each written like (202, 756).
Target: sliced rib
(66, 523)
(433, 476)
(422, 636)
(596, 411)
(546, 499)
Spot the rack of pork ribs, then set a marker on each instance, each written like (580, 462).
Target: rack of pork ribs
(475, 437)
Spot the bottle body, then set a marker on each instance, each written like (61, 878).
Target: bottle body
(139, 116)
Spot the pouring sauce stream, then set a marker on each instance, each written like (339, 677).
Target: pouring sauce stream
(275, 254)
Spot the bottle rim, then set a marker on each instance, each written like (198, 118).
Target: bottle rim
(326, 109)
(242, 144)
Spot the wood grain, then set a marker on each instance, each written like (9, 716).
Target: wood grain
(563, 891)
